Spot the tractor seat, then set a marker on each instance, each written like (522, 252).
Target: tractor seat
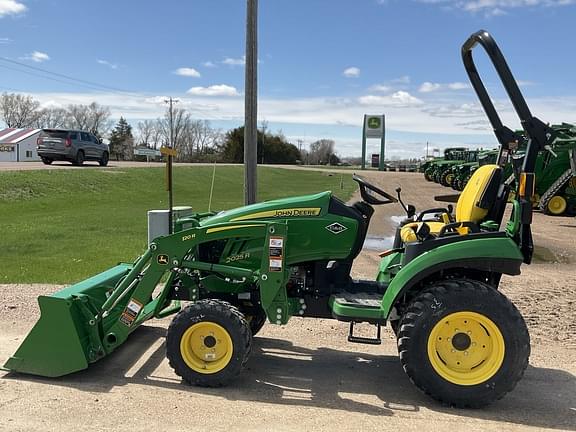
(475, 201)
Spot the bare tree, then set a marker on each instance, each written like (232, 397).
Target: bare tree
(18, 111)
(146, 131)
(203, 135)
(51, 118)
(93, 118)
(321, 152)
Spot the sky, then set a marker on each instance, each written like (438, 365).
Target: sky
(322, 64)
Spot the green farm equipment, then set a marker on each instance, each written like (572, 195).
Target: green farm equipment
(555, 189)
(429, 167)
(460, 174)
(460, 340)
(442, 169)
(556, 173)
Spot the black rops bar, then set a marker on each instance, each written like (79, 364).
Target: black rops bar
(538, 134)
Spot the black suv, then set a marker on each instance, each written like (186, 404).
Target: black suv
(71, 145)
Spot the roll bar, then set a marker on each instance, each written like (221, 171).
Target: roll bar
(538, 133)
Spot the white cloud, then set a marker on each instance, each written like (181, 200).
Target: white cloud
(458, 86)
(107, 63)
(5, 41)
(215, 90)
(36, 56)
(11, 7)
(380, 88)
(351, 72)
(209, 64)
(405, 79)
(524, 83)
(428, 87)
(234, 61)
(187, 72)
(496, 7)
(399, 98)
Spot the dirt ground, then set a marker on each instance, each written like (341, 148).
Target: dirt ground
(305, 376)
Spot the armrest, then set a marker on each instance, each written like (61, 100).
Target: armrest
(452, 227)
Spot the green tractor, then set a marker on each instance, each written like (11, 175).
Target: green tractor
(429, 167)
(460, 340)
(460, 174)
(442, 169)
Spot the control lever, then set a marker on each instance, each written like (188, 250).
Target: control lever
(547, 147)
(410, 210)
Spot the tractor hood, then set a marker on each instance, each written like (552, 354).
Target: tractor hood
(293, 207)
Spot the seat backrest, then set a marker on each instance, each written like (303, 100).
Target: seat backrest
(479, 195)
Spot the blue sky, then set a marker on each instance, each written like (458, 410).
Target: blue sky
(323, 64)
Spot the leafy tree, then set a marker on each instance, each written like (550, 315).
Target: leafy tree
(272, 149)
(122, 141)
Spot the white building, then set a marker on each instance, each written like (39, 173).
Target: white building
(18, 145)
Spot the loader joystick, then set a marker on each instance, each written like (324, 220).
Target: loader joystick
(409, 209)
(372, 194)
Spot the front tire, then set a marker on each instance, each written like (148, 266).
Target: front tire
(208, 343)
(79, 159)
(463, 343)
(104, 159)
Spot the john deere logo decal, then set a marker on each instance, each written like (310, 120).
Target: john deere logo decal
(374, 122)
(163, 259)
(336, 228)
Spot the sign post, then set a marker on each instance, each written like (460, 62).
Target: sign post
(169, 152)
(374, 127)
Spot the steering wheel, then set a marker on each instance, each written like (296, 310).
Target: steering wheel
(372, 194)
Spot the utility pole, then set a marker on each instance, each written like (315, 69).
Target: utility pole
(251, 103)
(170, 102)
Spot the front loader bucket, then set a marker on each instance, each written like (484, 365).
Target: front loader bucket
(66, 337)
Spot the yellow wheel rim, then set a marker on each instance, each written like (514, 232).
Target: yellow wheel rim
(206, 347)
(557, 205)
(466, 348)
(449, 178)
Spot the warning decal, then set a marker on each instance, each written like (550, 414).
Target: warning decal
(132, 310)
(276, 253)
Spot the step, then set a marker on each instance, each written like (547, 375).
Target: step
(357, 306)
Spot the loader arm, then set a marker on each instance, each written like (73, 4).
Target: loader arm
(91, 319)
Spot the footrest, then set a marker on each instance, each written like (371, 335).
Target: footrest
(347, 306)
(364, 340)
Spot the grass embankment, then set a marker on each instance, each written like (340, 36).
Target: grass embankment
(60, 226)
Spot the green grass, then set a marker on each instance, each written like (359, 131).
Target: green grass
(60, 226)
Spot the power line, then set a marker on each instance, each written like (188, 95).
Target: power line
(50, 78)
(86, 82)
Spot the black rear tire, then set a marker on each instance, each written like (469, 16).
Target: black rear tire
(220, 354)
(500, 346)
(79, 159)
(47, 161)
(104, 159)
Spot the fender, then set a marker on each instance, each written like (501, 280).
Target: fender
(492, 254)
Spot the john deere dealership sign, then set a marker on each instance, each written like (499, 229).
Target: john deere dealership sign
(374, 126)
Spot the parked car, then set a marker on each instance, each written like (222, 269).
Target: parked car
(71, 145)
